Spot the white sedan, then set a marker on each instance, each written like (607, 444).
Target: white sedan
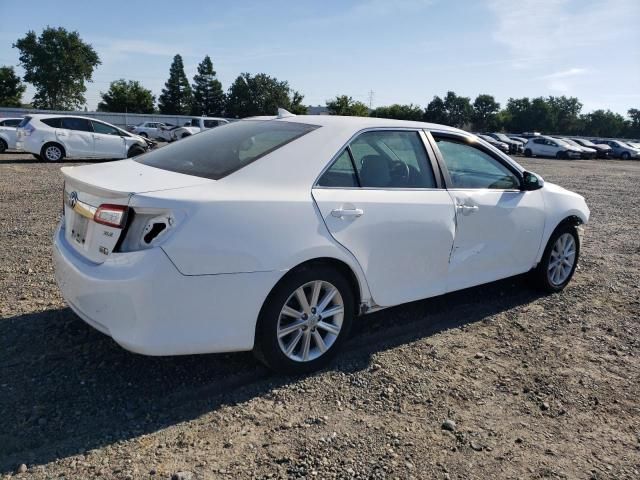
(272, 234)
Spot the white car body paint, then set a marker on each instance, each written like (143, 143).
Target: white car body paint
(228, 242)
(8, 133)
(76, 143)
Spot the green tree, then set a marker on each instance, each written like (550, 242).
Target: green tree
(604, 123)
(459, 109)
(436, 112)
(485, 113)
(634, 124)
(11, 88)
(566, 114)
(57, 64)
(399, 112)
(176, 97)
(260, 94)
(208, 97)
(127, 96)
(345, 105)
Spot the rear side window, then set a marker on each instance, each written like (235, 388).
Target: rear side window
(78, 124)
(392, 159)
(24, 122)
(52, 122)
(11, 123)
(340, 174)
(220, 151)
(211, 123)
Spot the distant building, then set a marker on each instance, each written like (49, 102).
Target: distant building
(318, 110)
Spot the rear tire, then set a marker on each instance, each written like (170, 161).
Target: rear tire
(625, 156)
(3, 146)
(527, 152)
(52, 152)
(317, 339)
(559, 260)
(185, 135)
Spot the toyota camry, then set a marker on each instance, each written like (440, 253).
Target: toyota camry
(272, 234)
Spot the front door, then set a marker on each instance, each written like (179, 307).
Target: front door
(498, 226)
(381, 201)
(108, 141)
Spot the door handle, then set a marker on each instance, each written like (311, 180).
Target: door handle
(467, 209)
(347, 213)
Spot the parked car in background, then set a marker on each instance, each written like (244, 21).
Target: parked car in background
(195, 125)
(56, 137)
(496, 143)
(602, 149)
(543, 146)
(8, 133)
(294, 227)
(621, 149)
(514, 147)
(587, 152)
(517, 138)
(530, 134)
(148, 129)
(635, 145)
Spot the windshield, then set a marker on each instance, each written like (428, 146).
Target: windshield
(561, 142)
(220, 151)
(503, 137)
(586, 143)
(570, 142)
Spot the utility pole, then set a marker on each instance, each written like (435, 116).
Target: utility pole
(371, 99)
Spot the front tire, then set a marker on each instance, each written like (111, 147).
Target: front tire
(527, 152)
(144, 135)
(305, 320)
(185, 135)
(3, 146)
(52, 152)
(559, 260)
(135, 151)
(625, 156)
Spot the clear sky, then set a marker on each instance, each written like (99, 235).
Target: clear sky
(403, 50)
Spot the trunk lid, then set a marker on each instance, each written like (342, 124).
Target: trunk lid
(88, 187)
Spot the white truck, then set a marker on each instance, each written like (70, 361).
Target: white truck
(191, 127)
(8, 132)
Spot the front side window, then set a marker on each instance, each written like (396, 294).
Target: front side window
(470, 167)
(221, 151)
(105, 129)
(392, 159)
(73, 123)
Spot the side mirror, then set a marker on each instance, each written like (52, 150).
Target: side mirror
(531, 181)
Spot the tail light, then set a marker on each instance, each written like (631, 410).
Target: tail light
(27, 129)
(111, 215)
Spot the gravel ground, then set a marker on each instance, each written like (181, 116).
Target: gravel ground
(494, 381)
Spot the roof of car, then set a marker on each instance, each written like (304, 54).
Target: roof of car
(356, 122)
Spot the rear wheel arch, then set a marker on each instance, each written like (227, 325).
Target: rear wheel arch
(57, 144)
(3, 145)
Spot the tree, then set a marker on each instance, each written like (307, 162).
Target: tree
(176, 97)
(345, 105)
(485, 113)
(436, 111)
(57, 64)
(634, 124)
(601, 123)
(566, 114)
(260, 94)
(399, 112)
(459, 109)
(208, 97)
(124, 96)
(11, 88)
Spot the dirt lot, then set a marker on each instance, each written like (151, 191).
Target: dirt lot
(538, 386)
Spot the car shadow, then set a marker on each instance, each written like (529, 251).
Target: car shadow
(66, 388)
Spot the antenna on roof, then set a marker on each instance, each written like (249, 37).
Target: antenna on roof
(282, 113)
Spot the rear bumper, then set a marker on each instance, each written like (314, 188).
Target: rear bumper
(147, 306)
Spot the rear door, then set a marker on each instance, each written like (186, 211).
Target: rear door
(77, 137)
(108, 143)
(498, 227)
(381, 200)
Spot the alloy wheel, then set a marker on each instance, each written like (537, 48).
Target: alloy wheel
(53, 153)
(562, 260)
(310, 321)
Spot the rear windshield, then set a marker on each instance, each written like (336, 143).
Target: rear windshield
(24, 121)
(220, 151)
